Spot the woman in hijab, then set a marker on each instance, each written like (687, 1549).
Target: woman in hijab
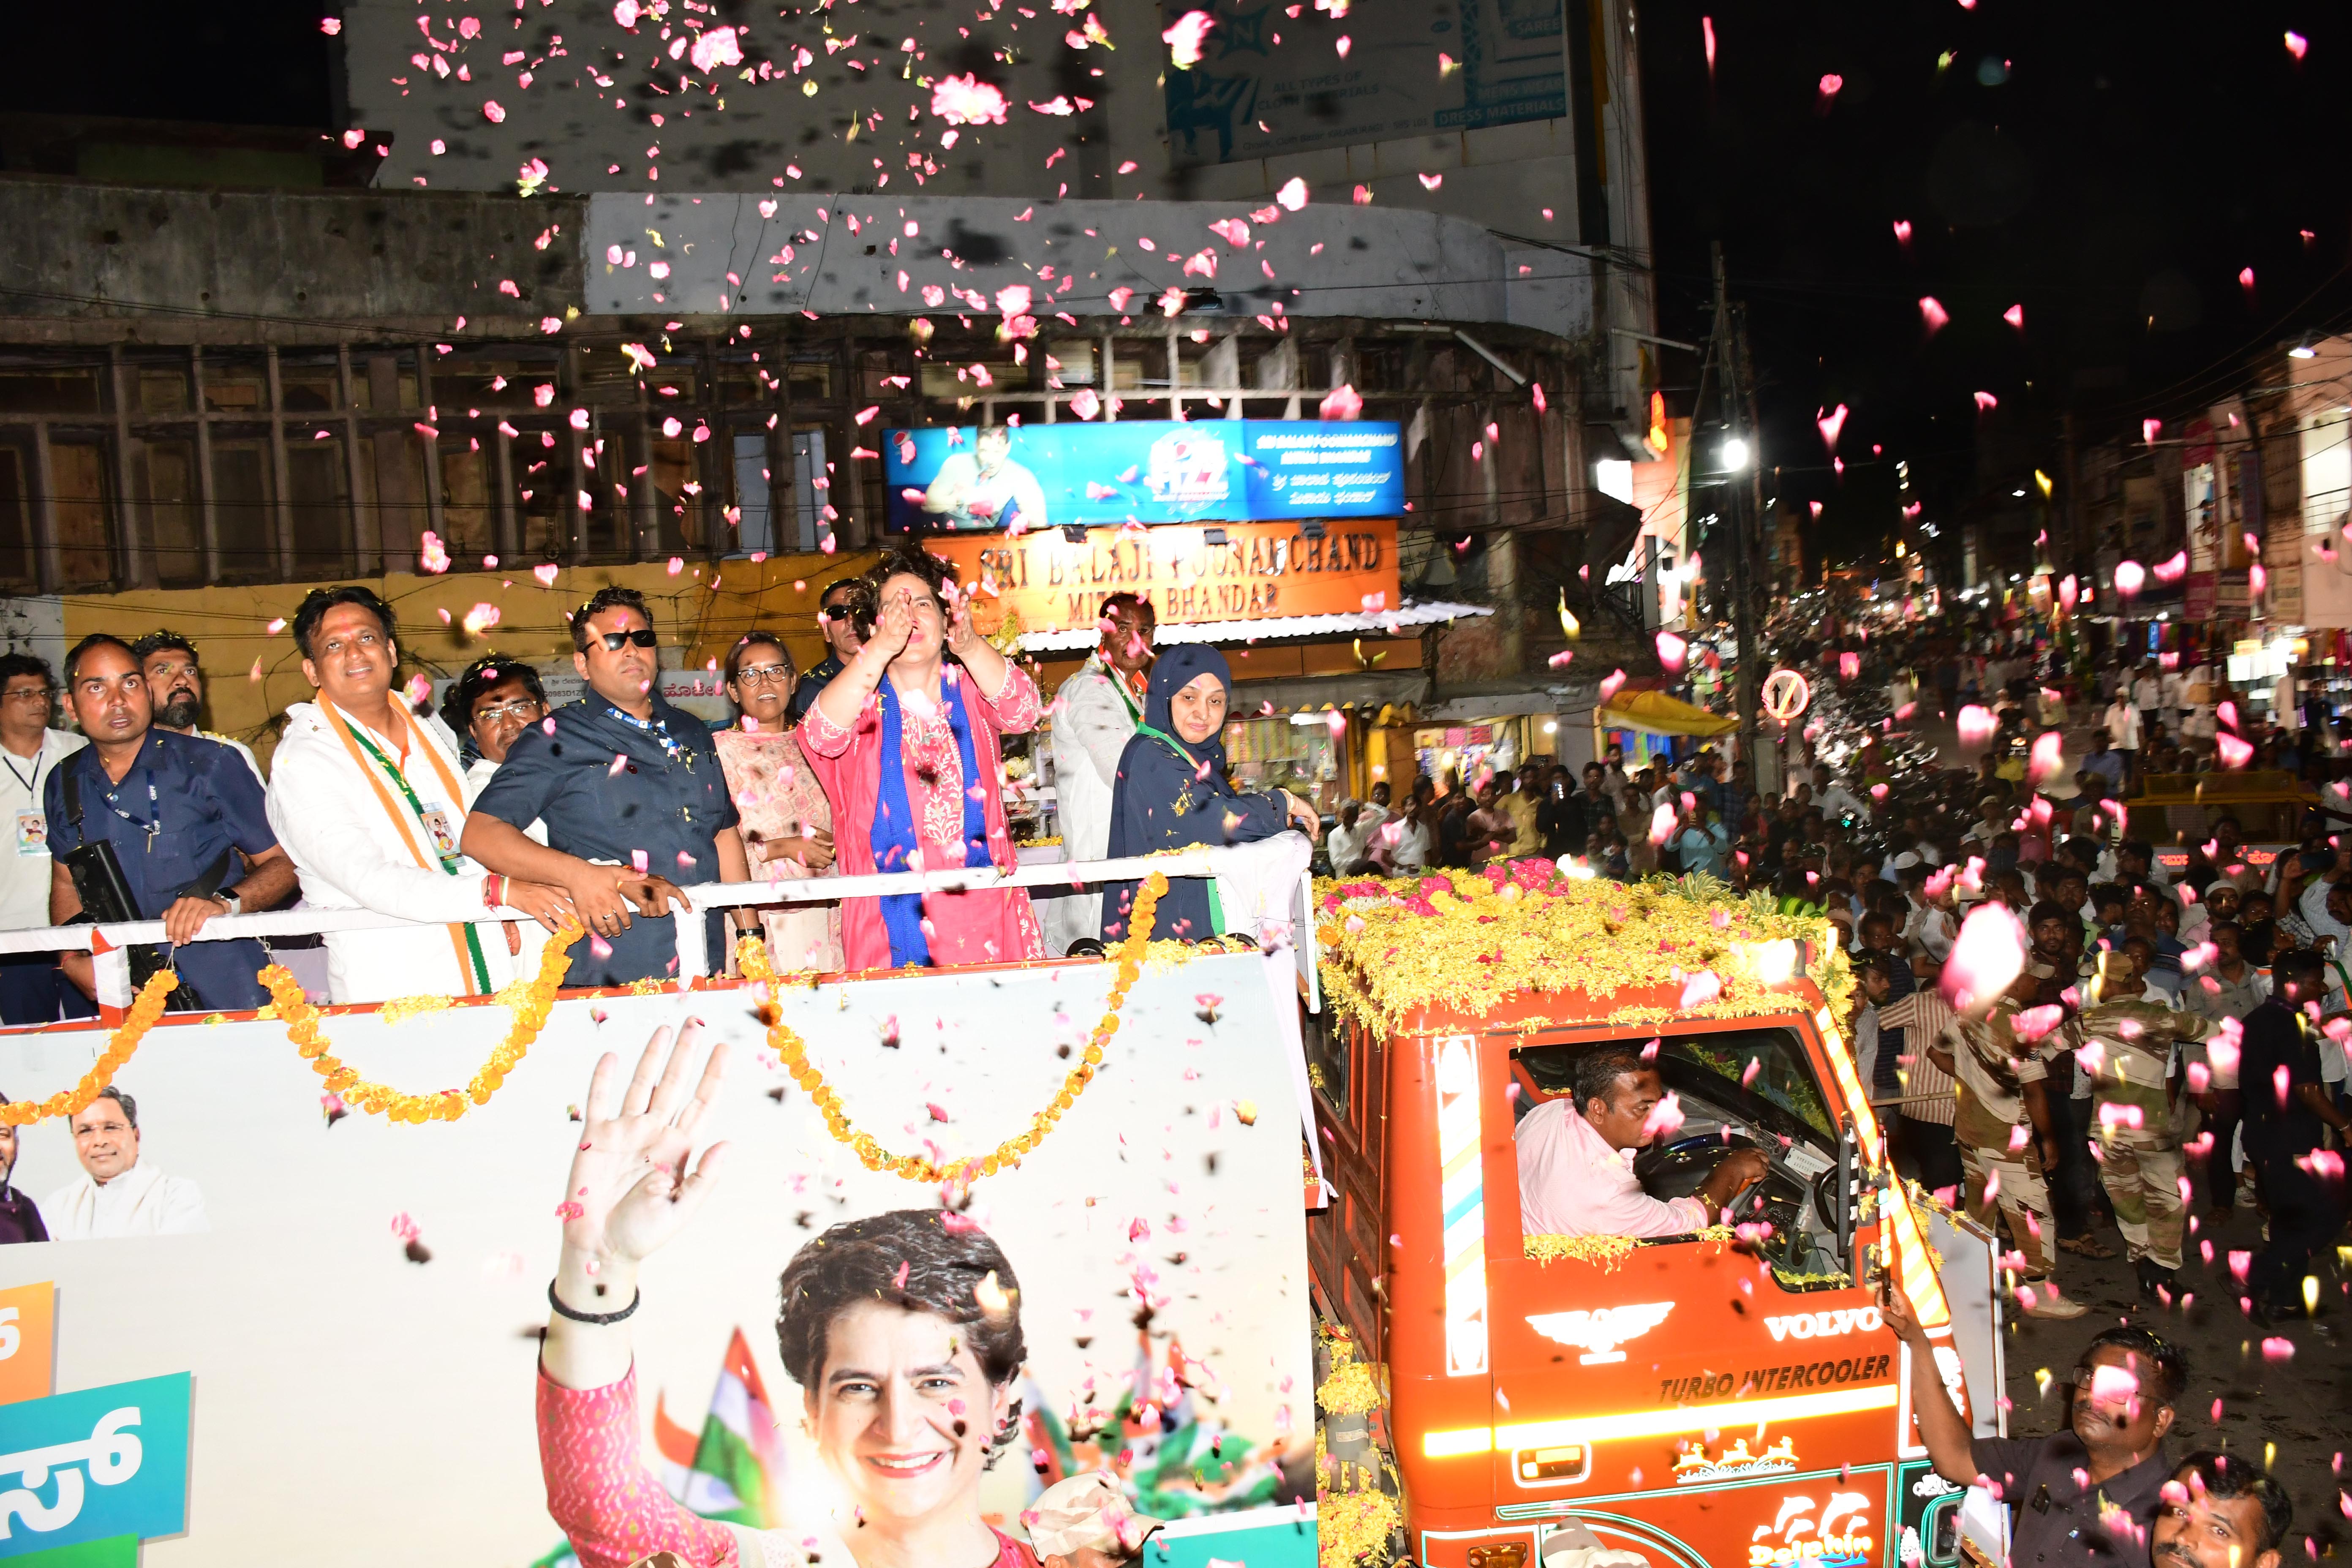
(1172, 793)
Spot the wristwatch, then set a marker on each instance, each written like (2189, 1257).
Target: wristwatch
(229, 897)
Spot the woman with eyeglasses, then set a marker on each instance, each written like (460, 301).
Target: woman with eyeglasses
(787, 825)
(905, 741)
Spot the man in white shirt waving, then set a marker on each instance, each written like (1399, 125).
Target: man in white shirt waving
(118, 1193)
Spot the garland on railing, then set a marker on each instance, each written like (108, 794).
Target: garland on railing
(531, 1010)
(752, 963)
(145, 1008)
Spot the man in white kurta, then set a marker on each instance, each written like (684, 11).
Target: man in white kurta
(1094, 713)
(351, 855)
(118, 1193)
(368, 798)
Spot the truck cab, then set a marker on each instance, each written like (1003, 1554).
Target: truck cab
(1725, 1397)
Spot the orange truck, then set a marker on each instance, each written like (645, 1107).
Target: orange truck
(1727, 1398)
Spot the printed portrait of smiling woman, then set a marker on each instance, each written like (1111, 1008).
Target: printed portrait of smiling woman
(903, 1329)
(908, 1377)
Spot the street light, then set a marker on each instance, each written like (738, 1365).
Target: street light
(2303, 349)
(1732, 454)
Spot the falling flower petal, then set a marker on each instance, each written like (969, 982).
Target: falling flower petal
(1185, 38)
(1986, 958)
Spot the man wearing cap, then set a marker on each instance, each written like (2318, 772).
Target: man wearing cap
(1085, 1522)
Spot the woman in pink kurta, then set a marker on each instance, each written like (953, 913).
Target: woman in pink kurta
(906, 746)
(787, 825)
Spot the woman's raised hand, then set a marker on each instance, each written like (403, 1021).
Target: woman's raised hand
(893, 626)
(628, 1193)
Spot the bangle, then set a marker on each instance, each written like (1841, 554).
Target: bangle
(598, 1317)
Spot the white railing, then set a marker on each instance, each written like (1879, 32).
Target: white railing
(704, 896)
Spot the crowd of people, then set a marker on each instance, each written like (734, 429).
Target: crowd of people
(501, 819)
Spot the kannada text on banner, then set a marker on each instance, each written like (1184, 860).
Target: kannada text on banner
(1262, 572)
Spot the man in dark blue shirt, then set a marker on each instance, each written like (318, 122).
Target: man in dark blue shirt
(173, 806)
(632, 794)
(2286, 1108)
(837, 619)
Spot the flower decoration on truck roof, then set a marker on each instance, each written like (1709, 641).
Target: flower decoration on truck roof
(1472, 941)
(1610, 1252)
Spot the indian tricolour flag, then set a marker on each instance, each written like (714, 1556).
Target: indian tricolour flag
(733, 1470)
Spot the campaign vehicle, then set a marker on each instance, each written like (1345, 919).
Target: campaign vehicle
(1730, 1397)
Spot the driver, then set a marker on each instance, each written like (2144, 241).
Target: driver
(1576, 1174)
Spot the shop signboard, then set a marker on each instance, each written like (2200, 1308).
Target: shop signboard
(1263, 87)
(1028, 478)
(1254, 572)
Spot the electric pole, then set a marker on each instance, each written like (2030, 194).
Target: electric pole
(1731, 373)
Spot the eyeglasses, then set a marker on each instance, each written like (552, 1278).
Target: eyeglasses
(764, 675)
(29, 694)
(522, 710)
(615, 641)
(836, 612)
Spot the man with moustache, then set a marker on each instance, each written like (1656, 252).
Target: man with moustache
(175, 807)
(2220, 1511)
(118, 1193)
(632, 796)
(2085, 1497)
(177, 685)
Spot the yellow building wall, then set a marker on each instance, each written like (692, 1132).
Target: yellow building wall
(253, 675)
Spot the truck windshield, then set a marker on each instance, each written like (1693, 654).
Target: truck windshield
(1751, 1065)
(1762, 1074)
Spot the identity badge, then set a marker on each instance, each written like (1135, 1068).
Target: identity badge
(436, 824)
(32, 833)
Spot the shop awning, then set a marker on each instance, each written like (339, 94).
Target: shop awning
(1363, 689)
(1661, 715)
(1371, 623)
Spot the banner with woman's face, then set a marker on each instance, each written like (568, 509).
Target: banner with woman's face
(353, 1307)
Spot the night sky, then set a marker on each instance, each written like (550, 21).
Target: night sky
(2111, 167)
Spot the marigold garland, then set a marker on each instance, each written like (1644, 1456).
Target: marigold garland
(1474, 940)
(145, 1009)
(531, 1009)
(752, 963)
(1608, 1251)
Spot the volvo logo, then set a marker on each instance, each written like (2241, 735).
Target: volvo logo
(1825, 1325)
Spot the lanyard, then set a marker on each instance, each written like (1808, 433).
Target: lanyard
(154, 824)
(31, 785)
(658, 729)
(448, 862)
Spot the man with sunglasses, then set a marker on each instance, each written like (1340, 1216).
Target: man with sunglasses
(2087, 1495)
(836, 617)
(632, 796)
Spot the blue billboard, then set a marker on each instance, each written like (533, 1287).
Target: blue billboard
(967, 479)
